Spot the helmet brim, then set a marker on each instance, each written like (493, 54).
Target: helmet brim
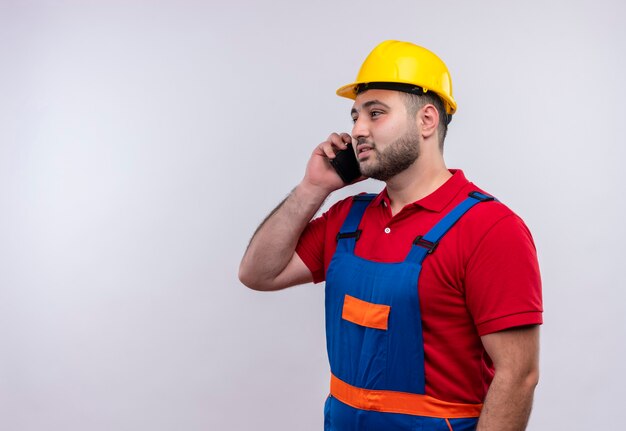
(349, 92)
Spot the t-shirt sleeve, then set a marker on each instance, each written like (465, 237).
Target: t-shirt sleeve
(310, 247)
(503, 284)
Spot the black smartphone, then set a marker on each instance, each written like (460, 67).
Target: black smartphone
(346, 165)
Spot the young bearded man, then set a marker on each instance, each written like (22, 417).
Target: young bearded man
(433, 292)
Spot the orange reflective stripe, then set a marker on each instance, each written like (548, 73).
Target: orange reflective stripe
(400, 402)
(365, 313)
(449, 426)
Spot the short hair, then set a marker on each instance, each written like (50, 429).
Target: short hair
(415, 102)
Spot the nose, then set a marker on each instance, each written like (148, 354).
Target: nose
(360, 129)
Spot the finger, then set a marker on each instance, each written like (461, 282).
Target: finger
(347, 139)
(338, 140)
(326, 148)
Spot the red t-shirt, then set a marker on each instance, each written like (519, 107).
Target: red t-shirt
(482, 278)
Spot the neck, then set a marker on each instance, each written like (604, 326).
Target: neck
(423, 177)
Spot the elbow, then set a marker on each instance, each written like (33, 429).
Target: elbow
(251, 280)
(526, 380)
(529, 375)
(531, 380)
(246, 278)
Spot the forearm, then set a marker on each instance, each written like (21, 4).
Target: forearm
(274, 242)
(508, 403)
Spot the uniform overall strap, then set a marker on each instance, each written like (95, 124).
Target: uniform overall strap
(349, 232)
(426, 244)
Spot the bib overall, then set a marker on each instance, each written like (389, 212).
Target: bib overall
(374, 337)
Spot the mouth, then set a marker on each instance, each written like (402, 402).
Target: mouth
(363, 151)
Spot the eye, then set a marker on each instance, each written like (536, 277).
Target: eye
(354, 119)
(375, 114)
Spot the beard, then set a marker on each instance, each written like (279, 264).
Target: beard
(397, 157)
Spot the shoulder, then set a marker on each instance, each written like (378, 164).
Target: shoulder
(317, 243)
(340, 209)
(492, 214)
(491, 233)
(328, 224)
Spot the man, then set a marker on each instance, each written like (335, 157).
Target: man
(433, 294)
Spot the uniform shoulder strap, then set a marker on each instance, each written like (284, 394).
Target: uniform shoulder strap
(426, 244)
(349, 232)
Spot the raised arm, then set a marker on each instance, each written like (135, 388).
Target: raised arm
(270, 262)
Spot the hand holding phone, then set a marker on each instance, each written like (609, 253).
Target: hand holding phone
(346, 165)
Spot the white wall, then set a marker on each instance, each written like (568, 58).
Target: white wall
(141, 142)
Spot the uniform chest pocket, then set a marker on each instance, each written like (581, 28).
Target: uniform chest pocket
(365, 313)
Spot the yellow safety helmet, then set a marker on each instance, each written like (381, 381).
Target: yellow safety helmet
(403, 66)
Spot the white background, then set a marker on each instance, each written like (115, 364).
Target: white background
(141, 143)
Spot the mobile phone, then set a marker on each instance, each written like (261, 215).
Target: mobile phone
(346, 165)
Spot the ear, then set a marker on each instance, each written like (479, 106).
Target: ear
(428, 118)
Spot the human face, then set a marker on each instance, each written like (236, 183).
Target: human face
(387, 140)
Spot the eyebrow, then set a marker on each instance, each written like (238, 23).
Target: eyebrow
(368, 104)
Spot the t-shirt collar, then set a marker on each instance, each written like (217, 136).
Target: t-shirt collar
(439, 199)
